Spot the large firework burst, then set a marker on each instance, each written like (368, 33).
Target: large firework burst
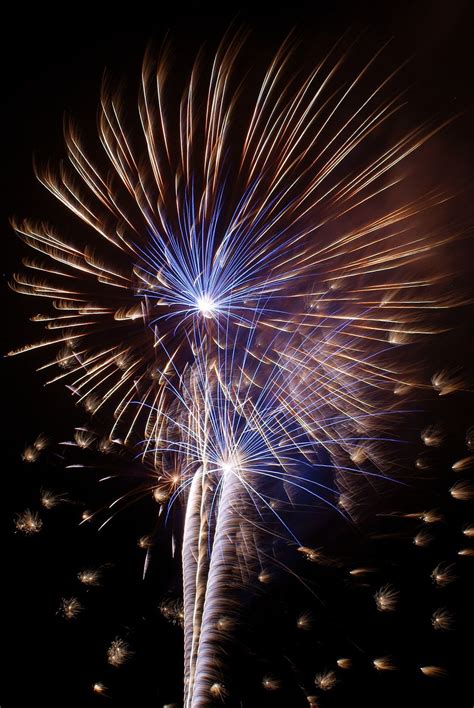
(235, 293)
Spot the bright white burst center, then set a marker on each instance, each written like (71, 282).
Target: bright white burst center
(206, 306)
(231, 464)
(227, 467)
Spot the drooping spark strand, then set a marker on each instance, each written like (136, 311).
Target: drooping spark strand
(173, 611)
(99, 688)
(119, 652)
(326, 680)
(447, 381)
(444, 574)
(470, 438)
(145, 542)
(384, 663)
(30, 454)
(462, 490)
(386, 598)
(423, 538)
(464, 464)
(90, 576)
(305, 621)
(218, 690)
(70, 607)
(50, 499)
(360, 572)
(28, 522)
(442, 619)
(432, 517)
(432, 436)
(434, 671)
(270, 683)
(469, 530)
(83, 438)
(265, 577)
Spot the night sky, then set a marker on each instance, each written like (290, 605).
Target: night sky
(51, 69)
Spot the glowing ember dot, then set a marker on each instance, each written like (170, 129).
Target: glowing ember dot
(206, 306)
(98, 687)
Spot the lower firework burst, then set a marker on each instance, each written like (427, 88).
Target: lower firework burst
(244, 306)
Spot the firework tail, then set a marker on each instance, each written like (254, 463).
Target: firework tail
(217, 595)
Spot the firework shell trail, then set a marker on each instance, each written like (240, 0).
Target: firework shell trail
(209, 665)
(195, 561)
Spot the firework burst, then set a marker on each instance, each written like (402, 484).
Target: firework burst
(236, 304)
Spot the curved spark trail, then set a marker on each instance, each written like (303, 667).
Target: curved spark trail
(236, 302)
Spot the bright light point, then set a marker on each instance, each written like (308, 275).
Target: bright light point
(206, 306)
(231, 464)
(98, 687)
(227, 467)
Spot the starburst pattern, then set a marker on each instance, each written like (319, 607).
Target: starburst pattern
(237, 306)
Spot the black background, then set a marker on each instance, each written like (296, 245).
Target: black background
(53, 63)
